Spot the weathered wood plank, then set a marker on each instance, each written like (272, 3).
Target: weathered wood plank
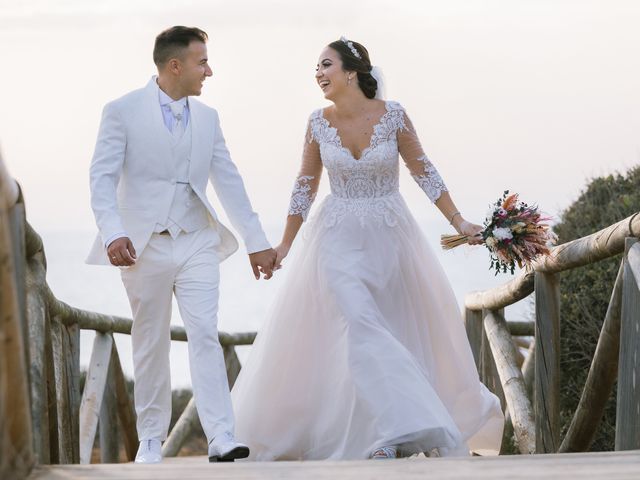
(602, 465)
(17, 224)
(511, 379)
(232, 364)
(529, 372)
(473, 326)
(503, 295)
(72, 365)
(93, 393)
(36, 311)
(187, 422)
(522, 329)
(602, 375)
(114, 324)
(633, 258)
(547, 377)
(488, 369)
(54, 447)
(65, 413)
(126, 410)
(16, 443)
(628, 407)
(108, 422)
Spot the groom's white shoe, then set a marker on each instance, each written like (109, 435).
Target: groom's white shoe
(224, 448)
(149, 451)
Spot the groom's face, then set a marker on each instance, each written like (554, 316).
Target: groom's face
(194, 69)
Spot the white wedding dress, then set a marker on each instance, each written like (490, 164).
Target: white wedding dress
(365, 345)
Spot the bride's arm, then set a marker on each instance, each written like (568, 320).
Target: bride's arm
(303, 195)
(427, 177)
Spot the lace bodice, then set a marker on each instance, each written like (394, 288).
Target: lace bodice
(362, 185)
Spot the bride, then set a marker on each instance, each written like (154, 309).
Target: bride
(364, 353)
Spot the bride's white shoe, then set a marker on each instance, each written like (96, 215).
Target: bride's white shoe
(383, 453)
(433, 453)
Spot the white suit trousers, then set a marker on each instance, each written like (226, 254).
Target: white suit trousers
(188, 267)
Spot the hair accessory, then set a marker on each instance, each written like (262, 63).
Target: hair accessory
(351, 47)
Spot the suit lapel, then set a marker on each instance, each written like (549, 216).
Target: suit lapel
(199, 139)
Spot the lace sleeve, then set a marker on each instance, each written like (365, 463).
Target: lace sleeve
(421, 168)
(308, 179)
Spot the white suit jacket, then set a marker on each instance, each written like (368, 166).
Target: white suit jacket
(133, 176)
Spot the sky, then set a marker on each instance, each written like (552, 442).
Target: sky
(532, 95)
(535, 96)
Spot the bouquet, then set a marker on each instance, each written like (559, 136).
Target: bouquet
(514, 233)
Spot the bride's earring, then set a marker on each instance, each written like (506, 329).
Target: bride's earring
(348, 80)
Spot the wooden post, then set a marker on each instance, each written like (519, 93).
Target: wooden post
(522, 329)
(232, 364)
(602, 375)
(628, 408)
(63, 401)
(181, 430)
(473, 326)
(108, 426)
(36, 311)
(17, 221)
(54, 446)
(93, 393)
(529, 372)
(126, 411)
(16, 443)
(510, 375)
(71, 342)
(547, 384)
(489, 371)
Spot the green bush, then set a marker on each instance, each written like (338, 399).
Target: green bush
(585, 291)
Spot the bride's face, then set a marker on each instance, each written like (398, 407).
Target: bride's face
(331, 78)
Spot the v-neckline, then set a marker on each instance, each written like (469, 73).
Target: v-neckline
(371, 139)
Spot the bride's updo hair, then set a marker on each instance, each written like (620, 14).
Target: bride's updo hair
(362, 65)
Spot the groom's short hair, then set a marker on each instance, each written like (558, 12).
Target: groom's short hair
(171, 42)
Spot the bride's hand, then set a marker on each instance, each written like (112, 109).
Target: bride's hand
(282, 251)
(472, 230)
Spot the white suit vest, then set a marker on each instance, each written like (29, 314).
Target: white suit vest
(187, 212)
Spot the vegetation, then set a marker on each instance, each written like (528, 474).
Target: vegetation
(585, 292)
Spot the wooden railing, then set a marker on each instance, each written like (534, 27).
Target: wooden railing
(16, 443)
(44, 417)
(531, 394)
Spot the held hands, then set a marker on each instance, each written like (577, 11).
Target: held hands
(263, 262)
(282, 251)
(121, 252)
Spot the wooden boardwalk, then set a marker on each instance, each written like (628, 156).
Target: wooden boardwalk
(582, 466)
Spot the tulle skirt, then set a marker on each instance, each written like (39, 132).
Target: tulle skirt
(364, 347)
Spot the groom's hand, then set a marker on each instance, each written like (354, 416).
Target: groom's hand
(121, 252)
(263, 262)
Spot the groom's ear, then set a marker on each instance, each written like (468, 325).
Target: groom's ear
(174, 66)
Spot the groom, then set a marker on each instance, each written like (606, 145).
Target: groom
(156, 149)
